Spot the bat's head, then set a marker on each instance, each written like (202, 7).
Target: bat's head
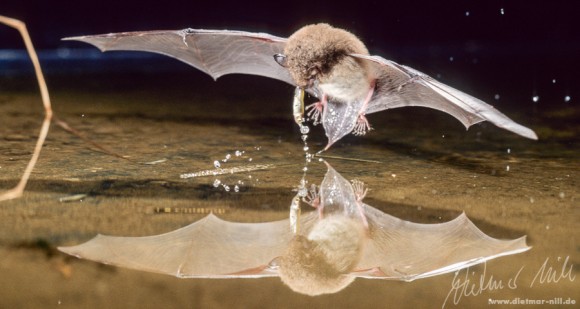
(314, 50)
(321, 263)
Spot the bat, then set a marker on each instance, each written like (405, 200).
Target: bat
(329, 63)
(314, 253)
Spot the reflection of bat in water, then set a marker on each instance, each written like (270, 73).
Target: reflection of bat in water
(325, 254)
(330, 63)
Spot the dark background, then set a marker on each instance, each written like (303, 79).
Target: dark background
(520, 52)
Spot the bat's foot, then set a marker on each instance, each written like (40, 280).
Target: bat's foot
(313, 197)
(314, 112)
(362, 126)
(360, 190)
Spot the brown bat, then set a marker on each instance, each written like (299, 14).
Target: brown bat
(315, 253)
(329, 63)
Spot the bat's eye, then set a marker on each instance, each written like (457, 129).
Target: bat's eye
(281, 59)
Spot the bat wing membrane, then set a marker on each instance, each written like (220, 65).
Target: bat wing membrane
(215, 52)
(403, 250)
(208, 248)
(399, 86)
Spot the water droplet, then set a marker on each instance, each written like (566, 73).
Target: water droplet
(238, 153)
(467, 13)
(501, 11)
(567, 99)
(496, 96)
(236, 188)
(536, 98)
(562, 195)
(451, 58)
(216, 183)
(304, 129)
(217, 164)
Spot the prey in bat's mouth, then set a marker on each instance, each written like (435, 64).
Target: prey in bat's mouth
(318, 59)
(329, 63)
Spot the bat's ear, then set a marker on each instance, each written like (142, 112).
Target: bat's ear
(281, 59)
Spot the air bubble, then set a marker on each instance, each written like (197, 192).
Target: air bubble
(304, 129)
(217, 164)
(553, 81)
(467, 13)
(451, 58)
(250, 159)
(306, 148)
(238, 153)
(509, 150)
(536, 98)
(216, 183)
(501, 11)
(236, 188)
(227, 188)
(507, 168)
(228, 156)
(567, 99)
(496, 96)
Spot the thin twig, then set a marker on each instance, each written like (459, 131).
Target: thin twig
(19, 188)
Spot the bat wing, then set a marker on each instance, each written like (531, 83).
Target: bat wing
(208, 248)
(398, 86)
(403, 250)
(215, 52)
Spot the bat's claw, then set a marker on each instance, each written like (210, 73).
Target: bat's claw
(362, 126)
(360, 190)
(312, 198)
(315, 112)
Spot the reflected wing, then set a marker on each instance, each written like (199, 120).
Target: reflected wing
(215, 52)
(407, 251)
(208, 248)
(398, 85)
